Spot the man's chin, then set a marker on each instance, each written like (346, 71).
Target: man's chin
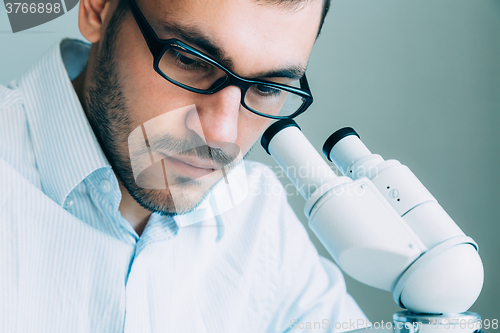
(175, 200)
(163, 191)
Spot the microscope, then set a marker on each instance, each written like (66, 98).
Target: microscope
(384, 229)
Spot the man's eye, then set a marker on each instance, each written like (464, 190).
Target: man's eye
(267, 91)
(186, 62)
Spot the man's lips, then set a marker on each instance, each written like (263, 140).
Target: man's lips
(202, 164)
(188, 166)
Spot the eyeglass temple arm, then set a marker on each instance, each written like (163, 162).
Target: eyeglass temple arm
(147, 31)
(304, 85)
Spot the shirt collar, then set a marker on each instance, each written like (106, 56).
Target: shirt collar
(64, 144)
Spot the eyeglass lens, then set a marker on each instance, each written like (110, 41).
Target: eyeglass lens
(192, 71)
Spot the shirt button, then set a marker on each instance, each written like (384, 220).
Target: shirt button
(105, 186)
(68, 204)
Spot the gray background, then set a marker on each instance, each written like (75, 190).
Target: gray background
(420, 82)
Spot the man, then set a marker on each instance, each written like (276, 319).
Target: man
(125, 204)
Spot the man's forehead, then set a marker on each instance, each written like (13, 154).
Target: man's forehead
(187, 6)
(240, 31)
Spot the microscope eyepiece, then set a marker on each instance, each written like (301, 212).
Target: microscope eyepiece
(335, 138)
(305, 167)
(274, 129)
(344, 148)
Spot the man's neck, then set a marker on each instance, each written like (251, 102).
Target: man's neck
(131, 211)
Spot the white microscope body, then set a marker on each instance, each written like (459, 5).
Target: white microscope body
(383, 227)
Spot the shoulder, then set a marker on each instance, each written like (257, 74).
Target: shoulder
(266, 201)
(261, 176)
(15, 140)
(12, 117)
(258, 197)
(10, 96)
(264, 186)
(257, 169)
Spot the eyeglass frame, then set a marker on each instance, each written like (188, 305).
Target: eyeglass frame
(159, 46)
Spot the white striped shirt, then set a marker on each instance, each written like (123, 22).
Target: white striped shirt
(69, 262)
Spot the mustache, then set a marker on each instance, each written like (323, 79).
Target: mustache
(218, 156)
(193, 146)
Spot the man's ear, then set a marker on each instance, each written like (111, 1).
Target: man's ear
(91, 17)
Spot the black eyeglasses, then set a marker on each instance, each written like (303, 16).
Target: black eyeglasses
(191, 69)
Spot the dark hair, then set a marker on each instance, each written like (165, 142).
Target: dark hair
(326, 7)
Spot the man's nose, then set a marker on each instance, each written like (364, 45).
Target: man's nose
(218, 116)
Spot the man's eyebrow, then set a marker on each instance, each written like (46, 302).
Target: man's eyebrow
(293, 72)
(198, 39)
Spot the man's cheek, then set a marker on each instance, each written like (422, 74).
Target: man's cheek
(250, 128)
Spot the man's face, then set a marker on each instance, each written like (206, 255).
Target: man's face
(125, 92)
